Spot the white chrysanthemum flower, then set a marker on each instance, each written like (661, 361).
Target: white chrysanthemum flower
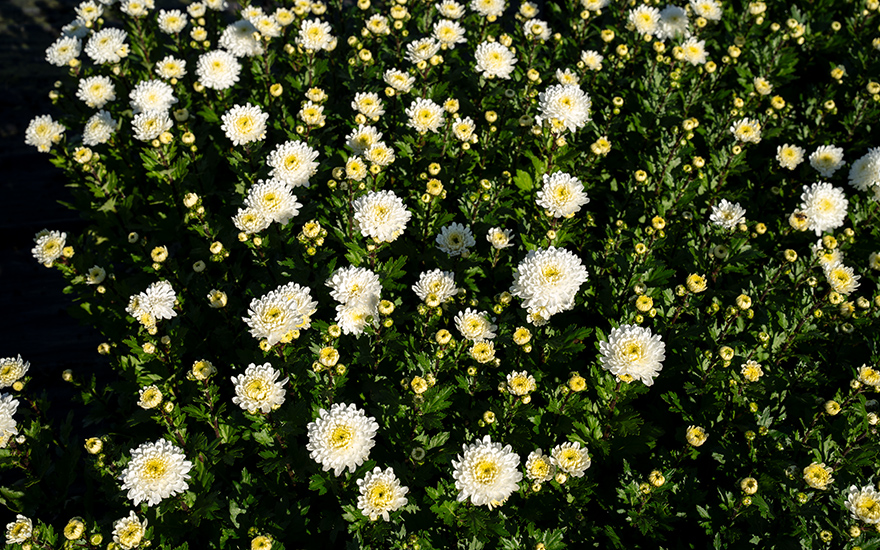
(299, 300)
(455, 239)
(259, 389)
(355, 285)
(727, 214)
(694, 52)
(377, 24)
(435, 287)
(474, 325)
(11, 370)
(156, 471)
(864, 504)
(75, 29)
(238, 39)
(824, 205)
(380, 215)
(380, 154)
(571, 458)
(824, 256)
(129, 531)
(216, 5)
(251, 12)
(646, 19)
(99, 129)
(149, 397)
(218, 69)
(594, 5)
(48, 246)
(312, 114)
(89, 11)
(450, 9)
(249, 221)
(633, 351)
(762, 85)
(158, 300)
(708, 9)
(354, 318)
(424, 115)
(245, 124)
(841, 279)
(673, 23)
(536, 29)
(520, 383)
(136, 8)
(273, 200)
(170, 67)
(569, 105)
(368, 104)
(341, 438)
(399, 80)
(540, 467)
(548, 280)
(488, 8)
(592, 60)
(422, 49)
(42, 132)
(293, 163)
(355, 168)
(171, 21)
(362, 138)
(107, 46)
(267, 26)
(562, 194)
(149, 125)
(499, 238)
(567, 77)
(827, 159)
(789, 156)
(449, 33)
(746, 130)
(272, 316)
(8, 406)
(63, 51)
(20, 530)
(865, 172)
(463, 128)
(494, 60)
(314, 35)
(381, 493)
(151, 95)
(486, 472)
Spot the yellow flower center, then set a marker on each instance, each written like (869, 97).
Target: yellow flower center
(540, 468)
(380, 495)
(256, 389)
(341, 436)
(551, 273)
(154, 468)
(868, 508)
(632, 352)
(486, 471)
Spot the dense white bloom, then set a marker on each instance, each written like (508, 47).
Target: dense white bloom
(341, 438)
(486, 472)
(312, 114)
(267, 26)
(499, 238)
(12, 369)
(151, 95)
(449, 33)
(293, 163)
(592, 60)
(548, 279)
(245, 124)
(422, 49)
(694, 52)
(368, 104)
(129, 531)
(567, 105)
(562, 194)
(762, 85)
(149, 125)
(171, 21)
(158, 300)
(424, 115)
(272, 316)
(520, 383)
(841, 279)
(273, 200)
(355, 285)
(709, 9)
(218, 69)
(646, 19)
(824, 205)
(354, 318)
(107, 46)
(314, 35)
(75, 29)
(474, 325)
(865, 172)
(63, 51)
(156, 471)
(249, 221)
(454, 239)
(238, 39)
(571, 458)
(488, 8)
(633, 351)
(827, 159)
(536, 29)
(299, 300)
(259, 389)
(727, 214)
(362, 138)
(789, 156)
(380, 154)
(463, 128)
(377, 24)
(826, 257)
(170, 67)
(48, 246)
(864, 504)
(89, 11)
(673, 23)
(20, 530)
(380, 215)
(136, 8)
(450, 9)
(399, 80)
(494, 60)
(42, 132)
(539, 467)
(8, 406)
(594, 5)
(746, 130)
(380, 493)
(435, 287)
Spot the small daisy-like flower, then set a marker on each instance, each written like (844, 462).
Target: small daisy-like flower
(435, 287)
(482, 351)
(841, 279)
(63, 51)
(107, 46)
(96, 91)
(827, 159)
(314, 35)
(89, 11)
(245, 124)
(450, 9)
(135, 8)
(424, 115)
(11, 370)
(486, 473)
(449, 33)
(488, 8)
(293, 163)
(149, 125)
(499, 238)
(218, 69)
(536, 29)
(149, 397)
(474, 325)
(520, 383)
(355, 168)
(380, 493)
(171, 21)
(695, 53)
(567, 104)
(20, 530)
(355, 285)
(273, 200)
(571, 458)
(789, 156)
(864, 504)
(594, 5)
(867, 375)
(455, 238)
(494, 60)
(421, 50)
(709, 9)
(762, 85)
(746, 130)
(312, 114)
(170, 67)
(362, 138)
(463, 128)
(399, 80)
(548, 280)
(156, 471)
(824, 205)
(99, 129)
(540, 467)
(259, 389)
(272, 316)
(380, 215)
(752, 371)
(380, 154)
(727, 214)
(646, 19)
(128, 532)
(249, 221)
(8, 427)
(48, 246)
(42, 132)
(562, 194)
(151, 95)
(238, 39)
(633, 351)
(368, 104)
(566, 77)
(673, 23)
(341, 438)
(377, 24)
(696, 435)
(354, 318)
(865, 172)
(592, 60)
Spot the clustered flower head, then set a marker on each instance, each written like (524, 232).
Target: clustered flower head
(259, 389)
(562, 194)
(341, 438)
(156, 471)
(632, 351)
(548, 280)
(487, 473)
(380, 215)
(8, 428)
(564, 106)
(280, 312)
(380, 493)
(357, 290)
(155, 303)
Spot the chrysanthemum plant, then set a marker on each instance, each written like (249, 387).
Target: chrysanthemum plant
(422, 275)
